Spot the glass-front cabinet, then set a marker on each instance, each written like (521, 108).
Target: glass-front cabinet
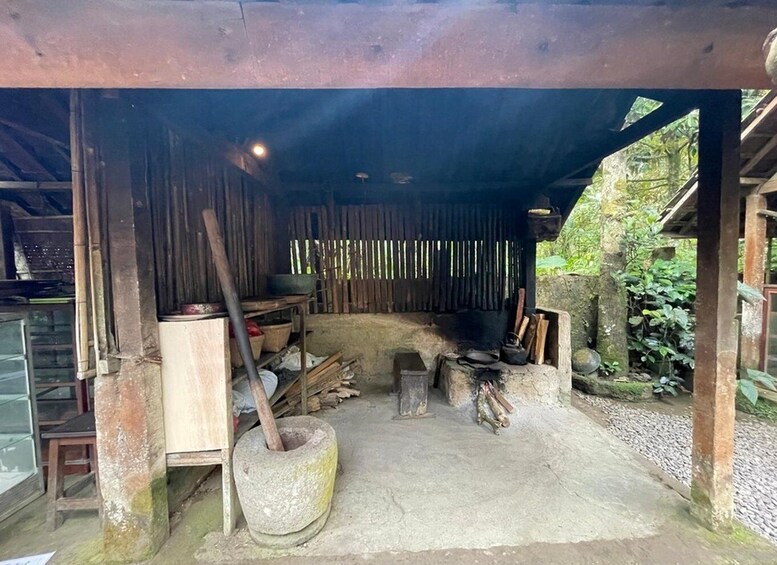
(21, 478)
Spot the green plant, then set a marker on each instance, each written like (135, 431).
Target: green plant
(661, 320)
(609, 368)
(550, 265)
(667, 384)
(749, 378)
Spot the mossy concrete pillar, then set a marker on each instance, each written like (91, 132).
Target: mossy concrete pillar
(712, 465)
(128, 402)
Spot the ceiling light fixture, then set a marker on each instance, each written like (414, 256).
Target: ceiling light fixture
(259, 150)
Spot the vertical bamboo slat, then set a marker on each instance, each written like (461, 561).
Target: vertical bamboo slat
(80, 237)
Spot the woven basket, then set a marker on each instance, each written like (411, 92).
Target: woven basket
(234, 351)
(276, 336)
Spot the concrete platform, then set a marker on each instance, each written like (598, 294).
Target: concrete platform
(554, 487)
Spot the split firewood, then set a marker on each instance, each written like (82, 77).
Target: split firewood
(522, 331)
(483, 415)
(542, 335)
(345, 392)
(496, 408)
(330, 399)
(531, 333)
(314, 404)
(328, 385)
(501, 398)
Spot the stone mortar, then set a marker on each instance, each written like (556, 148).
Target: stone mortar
(286, 496)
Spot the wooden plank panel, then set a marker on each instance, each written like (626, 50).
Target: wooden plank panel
(173, 44)
(196, 385)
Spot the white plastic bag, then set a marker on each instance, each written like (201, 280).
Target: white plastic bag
(243, 399)
(291, 360)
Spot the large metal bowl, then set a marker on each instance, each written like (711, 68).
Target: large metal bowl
(279, 285)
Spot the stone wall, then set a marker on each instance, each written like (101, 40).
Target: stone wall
(577, 295)
(376, 337)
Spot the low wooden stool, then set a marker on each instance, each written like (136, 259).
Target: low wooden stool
(79, 431)
(411, 384)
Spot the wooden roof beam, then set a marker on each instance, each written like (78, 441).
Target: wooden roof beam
(662, 116)
(173, 44)
(24, 161)
(32, 133)
(414, 187)
(36, 186)
(759, 156)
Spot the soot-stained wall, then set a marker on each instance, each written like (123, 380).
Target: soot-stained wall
(376, 337)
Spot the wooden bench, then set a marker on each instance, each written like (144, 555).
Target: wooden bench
(411, 384)
(80, 431)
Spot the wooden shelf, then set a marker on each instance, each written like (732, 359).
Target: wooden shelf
(241, 373)
(296, 306)
(52, 346)
(196, 372)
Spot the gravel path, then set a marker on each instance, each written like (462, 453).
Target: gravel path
(666, 440)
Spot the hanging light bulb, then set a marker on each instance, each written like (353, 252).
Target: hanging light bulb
(259, 150)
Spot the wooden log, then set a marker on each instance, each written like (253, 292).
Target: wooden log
(314, 404)
(522, 329)
(502, 400)
(496, 408)
(542, 334)
(519, 310)
(330, 399)
(531, 333)
(315, 371)
(232, 300)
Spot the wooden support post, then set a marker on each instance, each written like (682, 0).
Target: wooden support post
(128, 404)
(529, 275)
(716, 345)
(754, 275)
(303, 356)
(7, 260)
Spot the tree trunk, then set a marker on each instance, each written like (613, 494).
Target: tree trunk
(611, 339)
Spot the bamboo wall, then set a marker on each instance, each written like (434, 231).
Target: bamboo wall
(407, 258)
(183, 179)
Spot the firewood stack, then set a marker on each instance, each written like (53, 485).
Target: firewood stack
(329, 384)
(533, 334)
(490, 400)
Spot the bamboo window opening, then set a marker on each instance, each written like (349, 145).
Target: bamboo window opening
(400, 258)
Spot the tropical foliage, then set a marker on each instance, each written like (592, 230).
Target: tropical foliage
(661, 292)
(661, 319)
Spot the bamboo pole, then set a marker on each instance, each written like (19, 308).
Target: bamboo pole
(224, 271)
(80, 252)
(104, 342)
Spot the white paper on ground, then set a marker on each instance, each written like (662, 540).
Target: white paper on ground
(41, 559)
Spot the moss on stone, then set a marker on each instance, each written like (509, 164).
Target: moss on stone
(140, 538)
(629, 391)
(738, 535)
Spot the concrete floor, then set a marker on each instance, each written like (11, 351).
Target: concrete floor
(554, 487)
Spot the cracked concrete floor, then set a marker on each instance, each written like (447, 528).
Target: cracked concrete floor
(553, 488)
(443, 483)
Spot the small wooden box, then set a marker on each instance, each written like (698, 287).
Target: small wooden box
(411, 383)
